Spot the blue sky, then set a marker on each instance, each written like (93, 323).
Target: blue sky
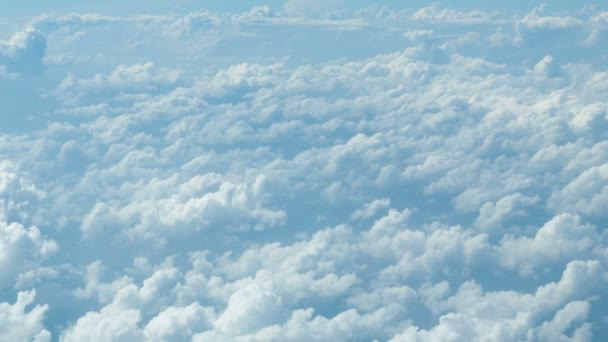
(303, 170)
(28, 8)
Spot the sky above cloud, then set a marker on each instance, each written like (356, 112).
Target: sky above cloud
(303, 170)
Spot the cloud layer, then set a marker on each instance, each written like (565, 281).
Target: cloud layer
(305, 173)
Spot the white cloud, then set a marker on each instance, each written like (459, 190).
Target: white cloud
(94, 288)
(535, 26)
(205, 201)
(535, 20)
(107, 325)
(19, 324)
(179, 323)
(508, 315)
(370, 209)
(434, 14)
(575, 312)
(249, 310)
(492, 215)
(585, 194)
(546, 67)
(21, 251)
(144, 77)
(564, 237)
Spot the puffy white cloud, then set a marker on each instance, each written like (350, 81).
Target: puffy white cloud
(103, 292)
(259, 295)
(17, 323)
(16, 192)
(508, 315)
(586, 194)
(370, 209)
(573, 313)
(303, 325)
(108, 325)
(563, 238)
(120, 319)
(205, 202)
(180, 323)
(492, 215)
(249, 310)
(22, 249)
(591, 117)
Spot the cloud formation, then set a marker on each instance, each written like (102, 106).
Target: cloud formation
(305, 172)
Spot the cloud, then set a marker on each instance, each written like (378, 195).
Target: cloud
(18, 324)
(176, 323)
(546, 67)
(492, 215)
(108, 325)
(272, 282)
(23, 53)
(584, 193)
(142, 78)
(451, 16)
(370, 209)
(249, 310)
(535, 26)
(535, 20)
(563, 238)
(307, 174)
(206, 201)
(504, 316)
(22, 249)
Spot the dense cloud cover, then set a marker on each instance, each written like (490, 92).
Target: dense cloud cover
(305, 172)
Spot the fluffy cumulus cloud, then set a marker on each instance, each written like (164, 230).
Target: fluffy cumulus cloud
(304, 171)
(23, 249)
(18, 323)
